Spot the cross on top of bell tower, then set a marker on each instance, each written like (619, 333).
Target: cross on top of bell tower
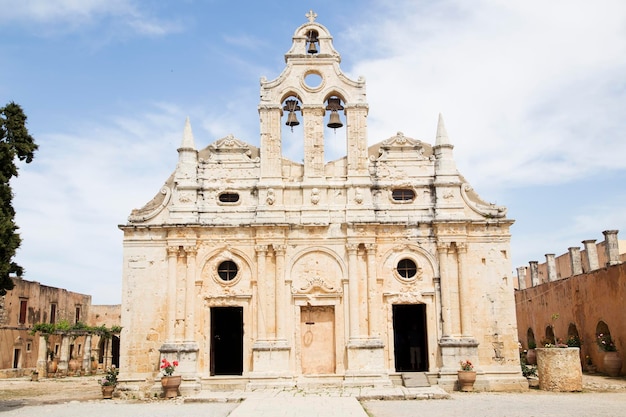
(311, 15)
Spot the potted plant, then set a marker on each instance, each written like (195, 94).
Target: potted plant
(52, 364)
(612, 360)
(34, 375)
(531, 354)
(169, 381)
(590, 367)
(467, 376)
(108, 382)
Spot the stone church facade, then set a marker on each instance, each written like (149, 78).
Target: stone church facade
(253, 270)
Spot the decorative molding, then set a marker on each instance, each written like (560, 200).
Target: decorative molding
(136, 217)
(313, 283)
(490, 210)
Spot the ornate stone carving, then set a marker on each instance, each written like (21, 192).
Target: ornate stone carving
(473, 201)
(271, 197)
(315, 196)
(358, 197)
(313, 283)
(153, 208)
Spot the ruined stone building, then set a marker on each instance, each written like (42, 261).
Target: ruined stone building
(30, 303)
(253, 270)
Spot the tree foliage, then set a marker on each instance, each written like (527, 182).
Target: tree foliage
(15, 142)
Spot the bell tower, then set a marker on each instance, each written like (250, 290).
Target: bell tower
(312, 94)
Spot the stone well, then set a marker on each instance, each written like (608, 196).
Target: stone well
(559, 369)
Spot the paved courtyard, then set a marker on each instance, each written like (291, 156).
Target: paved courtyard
(74, 397)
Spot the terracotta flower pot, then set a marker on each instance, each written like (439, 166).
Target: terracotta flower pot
(52, 366)
(531, 357)
(466, 380)
(170, 385)
(612, 362)
(107, 391)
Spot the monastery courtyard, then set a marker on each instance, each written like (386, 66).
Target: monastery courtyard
(80, 396)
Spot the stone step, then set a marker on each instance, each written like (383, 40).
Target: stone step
(415, 379)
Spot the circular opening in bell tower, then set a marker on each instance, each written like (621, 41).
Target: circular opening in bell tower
(313, 79)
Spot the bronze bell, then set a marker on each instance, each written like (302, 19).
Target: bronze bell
(292, 106)
(334, 122)
(292, 120)
(334, 104)
(312, 40)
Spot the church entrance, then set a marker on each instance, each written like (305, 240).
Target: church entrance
(409, 332)
(317, 326)
(226, 340)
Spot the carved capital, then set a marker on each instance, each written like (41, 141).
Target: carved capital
(370, 247)
(279, 249)
(191, 250)
(443, 247)
(260, 249)
(352, 247)
(172, 251)
(461, 247)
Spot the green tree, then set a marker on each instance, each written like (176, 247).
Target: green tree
(15, 142)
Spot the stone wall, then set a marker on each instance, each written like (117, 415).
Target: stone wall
(576, 304)
(19, 349)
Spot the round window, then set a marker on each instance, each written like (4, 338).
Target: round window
(227, 270)
(313, 80)
(407, 268)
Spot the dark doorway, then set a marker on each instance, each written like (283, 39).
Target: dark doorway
(409, 332)
(115, 351)
(226, 340)
(16, 358)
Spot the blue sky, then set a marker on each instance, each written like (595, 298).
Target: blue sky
(533, 94)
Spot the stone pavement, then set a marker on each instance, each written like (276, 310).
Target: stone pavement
(79, 397)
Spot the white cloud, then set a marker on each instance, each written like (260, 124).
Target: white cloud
(80, 186)
(68, 15)
(532, 91)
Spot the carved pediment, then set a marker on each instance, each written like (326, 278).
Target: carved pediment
(231, 149)
(401, 147)
(315, 284)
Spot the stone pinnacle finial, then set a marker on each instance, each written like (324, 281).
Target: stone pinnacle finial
(188, 141)
(311, 15)
(442, 134)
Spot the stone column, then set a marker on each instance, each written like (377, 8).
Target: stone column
(574, 259)
(370, 249)
(465, 298)
(271, 142)
(611, 247)
(190, 292)
(551, 267)
(353, 286)
(592, 254)
(281, 314)
(172, 259)
(64, 355)
(356, 125)
(534, 273)
(42, 356)
(313, 141)
(442, 250)
(87, 354)
(261, 253)
(521, 277)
